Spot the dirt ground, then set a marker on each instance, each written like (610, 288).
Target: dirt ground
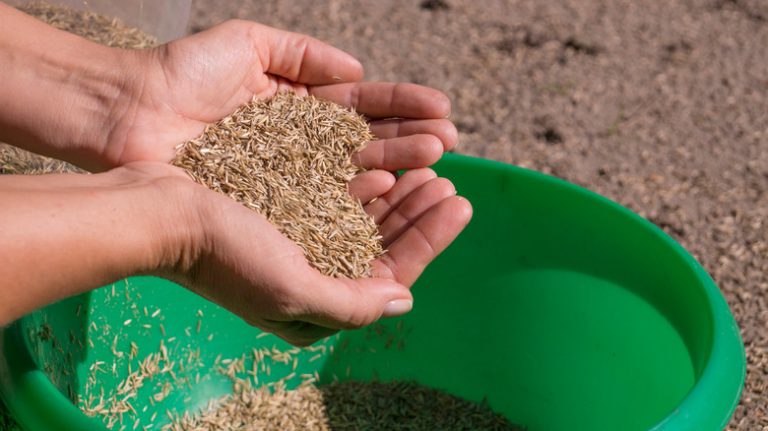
(660, 105)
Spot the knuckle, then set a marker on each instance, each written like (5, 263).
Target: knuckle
(301, 41)
(357, 319)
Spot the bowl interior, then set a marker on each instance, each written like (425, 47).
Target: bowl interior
(559, 308)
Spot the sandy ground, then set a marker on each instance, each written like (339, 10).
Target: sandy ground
(660, 105)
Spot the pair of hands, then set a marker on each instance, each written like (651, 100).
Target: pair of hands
(232, 255)
(256, 272)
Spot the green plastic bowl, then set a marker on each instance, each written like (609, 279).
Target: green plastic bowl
(562, 309)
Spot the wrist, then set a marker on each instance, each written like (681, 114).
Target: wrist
(101, 91)
(177, 233)
(61, 92)
(125, 222)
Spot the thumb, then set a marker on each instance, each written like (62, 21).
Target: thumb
(342, 303)
(303, 59)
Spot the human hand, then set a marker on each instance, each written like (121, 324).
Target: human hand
(242, 262)
(101, 123)
(100, 107)
(212, 245)
(65, 234)
(277, 290)
(197, 80)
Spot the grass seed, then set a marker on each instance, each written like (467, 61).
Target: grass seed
(290, 159)
(343, 406)
(92, 26)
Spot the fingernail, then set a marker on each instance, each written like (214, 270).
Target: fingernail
(397, 307)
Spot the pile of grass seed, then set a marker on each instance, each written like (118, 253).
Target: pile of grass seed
(92, 26)
(289, 158)
(346, 406)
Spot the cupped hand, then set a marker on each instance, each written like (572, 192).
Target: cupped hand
(239, 260)
(199, 79)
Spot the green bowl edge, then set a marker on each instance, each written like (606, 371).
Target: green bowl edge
(711, 402)
(22, 383)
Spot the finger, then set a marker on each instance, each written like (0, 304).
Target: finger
(408, 182)
(368, 185)
(387, 99)
(413, 207)
(424, 241)
(302, 58)
(281, 85)
(394, 154)
(443, 129)
(341, 303)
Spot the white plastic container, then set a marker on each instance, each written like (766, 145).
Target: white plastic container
(164, 19)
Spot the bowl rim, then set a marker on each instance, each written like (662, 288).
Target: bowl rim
(716, 392)
(709, 404)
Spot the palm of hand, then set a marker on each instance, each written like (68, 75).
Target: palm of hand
(190, 83)
(202, 78)
(273, 287)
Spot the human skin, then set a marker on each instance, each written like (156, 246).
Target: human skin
(122, 113)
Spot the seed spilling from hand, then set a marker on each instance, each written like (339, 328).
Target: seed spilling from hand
(290, 159)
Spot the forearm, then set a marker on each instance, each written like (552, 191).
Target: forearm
(65, 234)
(60, 93)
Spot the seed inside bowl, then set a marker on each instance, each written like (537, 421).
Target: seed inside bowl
(343, 406)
